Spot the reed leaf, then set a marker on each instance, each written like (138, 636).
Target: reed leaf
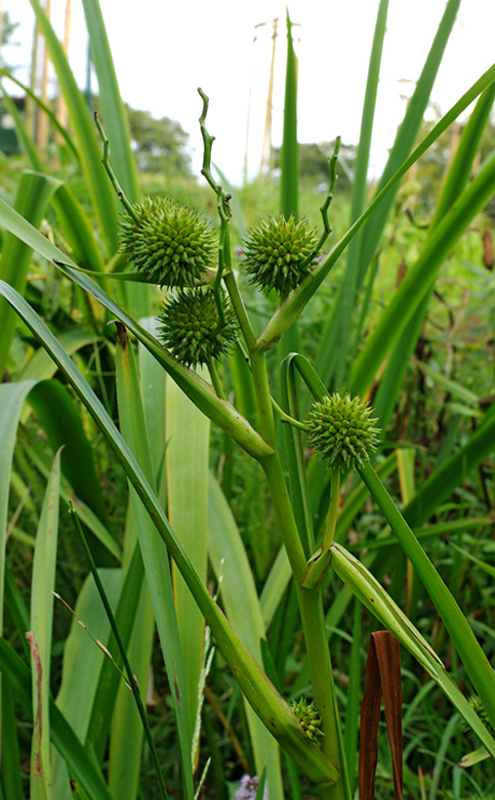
(377, 601)
(100, 189)
(40, 635)
(473, 658)
(33, 194)
(187, 467)
(260, 693)
(154, 554)
(240, 599)
(290, 309)
(421, 277)
(289, 184)
(81, 764)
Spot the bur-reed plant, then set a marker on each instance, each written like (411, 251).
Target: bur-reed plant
(310, 433)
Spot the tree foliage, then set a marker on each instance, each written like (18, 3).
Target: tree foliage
(314, 163)
(160, 145)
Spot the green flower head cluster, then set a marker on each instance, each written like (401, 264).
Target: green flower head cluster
(308, 717)
(342, 431)
(168, 244)
(192, 330)
(279, 254)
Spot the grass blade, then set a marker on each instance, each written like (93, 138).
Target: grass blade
(474, 659)
(452, 472)
(102, 195)
(10, 777)
(40, 635)
(113, 111)
(290, 309)
(240, 599)
(63, 426)
(81, 765)
(83, 665)
(12, 397)
(187, 460)
(421, 277)
(457, 178)
(289, 181)
(32, 197)
(372, 595)
(260, 693)
(154, 554)
(337, 327)
(407, 133)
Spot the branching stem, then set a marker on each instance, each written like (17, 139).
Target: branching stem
(333, 510)
(111, 174)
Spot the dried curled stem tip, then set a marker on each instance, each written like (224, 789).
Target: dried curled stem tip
(279, 253)
(342, 431)
(168, 244)
(191, 327)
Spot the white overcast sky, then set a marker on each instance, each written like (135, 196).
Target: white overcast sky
(164, 50)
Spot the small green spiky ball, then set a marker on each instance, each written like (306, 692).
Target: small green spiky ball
(277, 253)
(168, 244)
(342, 431)
(308, 717)
(190, 327)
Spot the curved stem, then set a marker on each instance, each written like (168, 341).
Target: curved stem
(333, 509)
(320, 666)
(230, 282)
(215, 379)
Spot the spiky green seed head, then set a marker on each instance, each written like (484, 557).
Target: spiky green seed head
(308, 717)
(168, 244)
(342, 431)
(279, 254)
(478, 707)
(191, 328)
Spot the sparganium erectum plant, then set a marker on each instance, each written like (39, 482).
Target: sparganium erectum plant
(171, 246)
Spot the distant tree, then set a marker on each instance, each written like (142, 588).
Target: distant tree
(7, 27)
(160, 145)
(314, 163)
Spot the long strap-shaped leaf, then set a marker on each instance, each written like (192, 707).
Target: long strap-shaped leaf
(383, 678)
(32, 197)
(261, 694)
(240, 600)
(372, 595)
(474, 659)
(455, 182)
(337, 326)
(40, 635)
(421, 277)
(289, 311)
(101, 191)
(81, 765)
(154, 554)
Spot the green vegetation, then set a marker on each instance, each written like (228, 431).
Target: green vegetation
(247, 477)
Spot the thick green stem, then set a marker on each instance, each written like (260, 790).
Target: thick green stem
(333, 510)
(215, 380)
(310, 602)
(230, 282)
(320, 665)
